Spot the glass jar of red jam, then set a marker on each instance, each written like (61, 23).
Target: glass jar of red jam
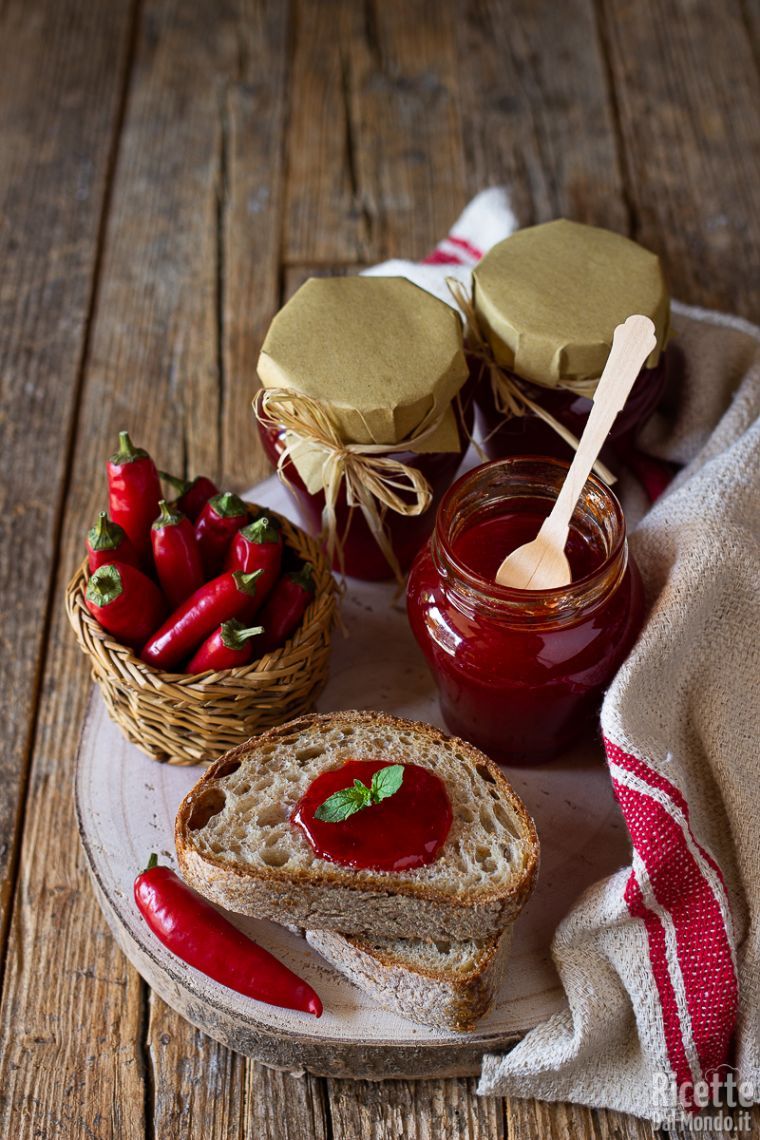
(362, 557)
(546, 302)
(528, 435)
(520, 673)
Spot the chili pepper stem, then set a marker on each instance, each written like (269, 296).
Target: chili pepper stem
(304, 577)
(99, 532)
(105, 585)
(152, 862)
(180, 485)
(127, 450)
(234, 636)
(167, 516)
(246, 582)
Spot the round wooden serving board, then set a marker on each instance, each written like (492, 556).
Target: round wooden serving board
(126, 805)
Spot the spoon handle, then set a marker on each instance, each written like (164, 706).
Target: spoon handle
(632, 342)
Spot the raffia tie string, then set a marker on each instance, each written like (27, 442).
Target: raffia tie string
(510, 398)
(374, 481)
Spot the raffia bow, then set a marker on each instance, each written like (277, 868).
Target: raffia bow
(510, 397)
(374, 482)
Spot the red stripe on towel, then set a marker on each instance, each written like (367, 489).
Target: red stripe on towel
(704, 969)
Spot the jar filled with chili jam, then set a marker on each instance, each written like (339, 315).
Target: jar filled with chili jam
(520, 673)
(547, 300)
(360, 555)
(366, 411)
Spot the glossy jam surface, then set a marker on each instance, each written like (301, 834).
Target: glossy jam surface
(484, 544)
(363, 558)
(528, 435)
(404, 831)
(522, 684)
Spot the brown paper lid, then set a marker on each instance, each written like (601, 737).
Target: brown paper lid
(548, 299)
(383, 355)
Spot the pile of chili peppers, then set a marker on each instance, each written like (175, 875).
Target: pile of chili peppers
(193, 584)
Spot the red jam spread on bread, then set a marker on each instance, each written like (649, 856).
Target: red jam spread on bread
(404, 831)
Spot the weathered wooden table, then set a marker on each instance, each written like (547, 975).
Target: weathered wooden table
(169, 172)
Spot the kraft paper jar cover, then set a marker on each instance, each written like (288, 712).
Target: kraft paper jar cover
(549, 297)
(382, 355)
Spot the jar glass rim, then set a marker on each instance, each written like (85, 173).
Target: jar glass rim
(552, 601)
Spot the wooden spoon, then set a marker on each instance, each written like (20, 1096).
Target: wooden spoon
(542, 564)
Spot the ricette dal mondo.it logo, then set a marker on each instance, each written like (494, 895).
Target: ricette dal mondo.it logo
(719, 1102)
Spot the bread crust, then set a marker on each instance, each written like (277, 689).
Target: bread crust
(371, 903)
(444, 998)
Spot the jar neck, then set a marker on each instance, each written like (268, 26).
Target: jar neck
(501, 486)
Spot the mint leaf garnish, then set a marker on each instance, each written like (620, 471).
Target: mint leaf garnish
(340, 805)
(385, 782)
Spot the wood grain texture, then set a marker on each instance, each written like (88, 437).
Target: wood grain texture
(250, 226)
(536, 111)
(688, 97)
(419, 1110)
(153, 364)
(407, 146)
(61, 84)
(197, 1088)
(326, 222)
(641, 117)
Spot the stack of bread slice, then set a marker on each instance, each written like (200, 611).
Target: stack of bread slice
(430, 943)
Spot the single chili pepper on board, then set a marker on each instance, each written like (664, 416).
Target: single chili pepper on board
(193, 494)
(191, 928)
(257, 546)
(215, 528)
(134, 492)
(125, 602)
(108, 542)
(229, 647)
(176, 555)
(285, 606)
(231, 595)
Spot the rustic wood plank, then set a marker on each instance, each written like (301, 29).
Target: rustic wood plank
(198, 1087)
(154, 365)
(61, 83)
(536, 113)
(529, 1118)
(375, 154)
(688, 93)
(325, 219)
(408, 154)
(416, 1110)
(285, 1106)
(250, 227)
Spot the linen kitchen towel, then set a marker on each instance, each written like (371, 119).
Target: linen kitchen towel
(661, 962)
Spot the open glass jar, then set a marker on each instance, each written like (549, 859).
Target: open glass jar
(520, 673)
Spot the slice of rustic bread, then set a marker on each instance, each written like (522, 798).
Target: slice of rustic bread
(237, 846)
(446, 984)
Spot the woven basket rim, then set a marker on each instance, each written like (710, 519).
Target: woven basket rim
(319, 612)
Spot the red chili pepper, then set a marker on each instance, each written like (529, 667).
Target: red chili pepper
(193, 495)
(229, 647)
(231, 595)
(108, 542)
(125, 602)
(193, 930)
(285, 606)
(257, 546)
(134, 492)
(176, 555)
(217, 525)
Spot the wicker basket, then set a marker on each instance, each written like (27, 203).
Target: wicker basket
(178, 718)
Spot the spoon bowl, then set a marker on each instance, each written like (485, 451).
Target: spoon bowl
(542, 564)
